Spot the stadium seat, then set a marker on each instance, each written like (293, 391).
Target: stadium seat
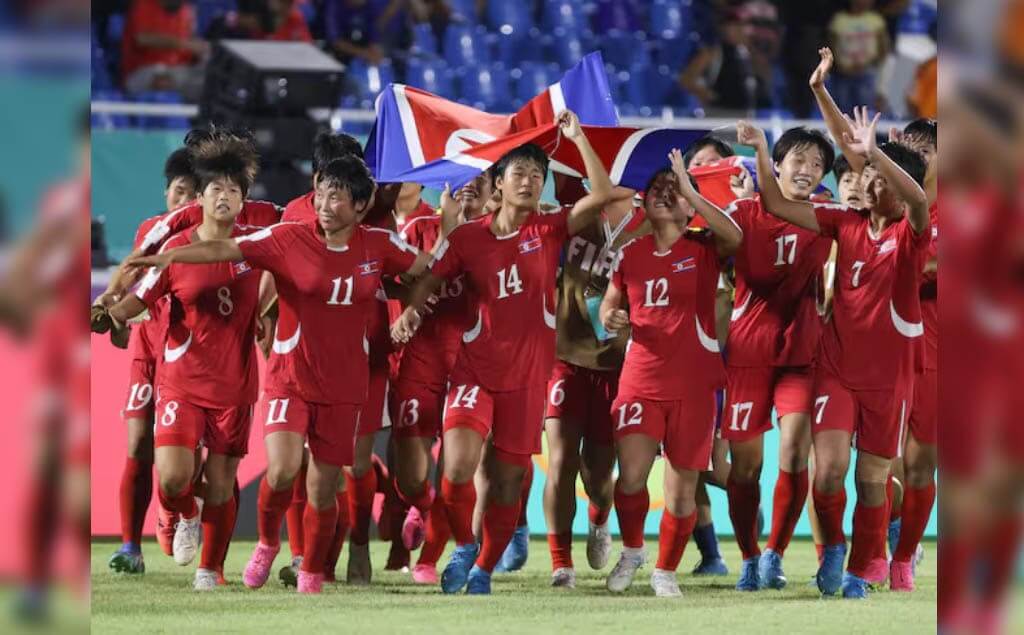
(509, 16)
(532, 79)
(918, 18)
(466, 9)
(430, 76)
(465, 46)
(666, 19)
(567, 48)
(622, 15)
(486, 88)
(676, 53)
(209, 10)
(370, 80)
(563, 14)
(423, 40)
(115, 28)
(624, 49)
(511, 48)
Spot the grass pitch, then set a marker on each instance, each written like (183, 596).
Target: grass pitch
(163, 600)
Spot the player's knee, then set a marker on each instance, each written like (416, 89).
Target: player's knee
(630, 481)
(280, 477)
(919, 474)
(174, 481)
(745, 471)
(829, 476)
(459, 471)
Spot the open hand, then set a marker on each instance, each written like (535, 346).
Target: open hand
(820, 74)
(862, 141)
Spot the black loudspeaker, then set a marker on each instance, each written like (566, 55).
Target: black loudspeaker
(281, 138)
(280, 183)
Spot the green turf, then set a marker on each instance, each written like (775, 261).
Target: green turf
(162, 600)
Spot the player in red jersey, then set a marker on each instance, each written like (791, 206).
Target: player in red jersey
(864, 377)
(137, 476)
(509, 260)
(672, 368)
(773, 335)
(326, 275)
(207, 383)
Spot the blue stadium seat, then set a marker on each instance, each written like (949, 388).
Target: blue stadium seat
(430, 76)
(107, 121)
(115, 28)
(635, 89)
(209, 10)
(676, 53)
(161, 123)
(423, 40)
(511, 48)
(624, 49)
(918, 18)
(567, 48)
(486, 88)
(509, 16)
(532, 79)
(464, 45)
(666, 19)
(370, 80)
(464, 8)
(563, 14)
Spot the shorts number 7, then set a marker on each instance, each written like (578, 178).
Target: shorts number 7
(819, 405)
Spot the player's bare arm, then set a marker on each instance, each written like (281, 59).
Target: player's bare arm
(835, 122)
(587, 208)
(409, 321)
(207, 251)
(727, 233)
(613, 316)
(800, 213)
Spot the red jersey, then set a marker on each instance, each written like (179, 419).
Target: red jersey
(292, 29)
(876, 314)
(775, 319)
(672, 316)
(511, 282)
(253, 214)
(300, 209)
(423, 210)
(429, 356)
(325, 298)
(148, 336)
(930, 297)
(148, 16)
(211, 326)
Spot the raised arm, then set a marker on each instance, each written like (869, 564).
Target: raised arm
(799, 213)
(727, 233)
(587, 208)
(835, 122)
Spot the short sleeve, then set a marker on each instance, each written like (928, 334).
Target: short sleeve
(739, 212)
(397, 255)
(268, 247)
(831, 217)
(260, 214)
(174, 222)
(556, 223)
(447, 258)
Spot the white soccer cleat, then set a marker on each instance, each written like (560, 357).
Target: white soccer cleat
(564, 578)
(599, 546)
(187, 535)
(625, 569)
(206, 580)
(665, 584)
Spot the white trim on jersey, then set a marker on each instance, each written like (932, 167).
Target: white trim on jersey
(174, 354)
(737, 312)
(283, 347)
(906, 329)
(474, 332)
(706, 340)
(396, 240)
(549, 318)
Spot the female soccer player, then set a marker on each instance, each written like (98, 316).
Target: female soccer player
(673, 367)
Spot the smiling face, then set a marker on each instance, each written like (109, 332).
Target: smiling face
(879, 197)
(521, 184)
(661, 203)
(474, 195)
(801, 171)
(222, 199)
(335, 210)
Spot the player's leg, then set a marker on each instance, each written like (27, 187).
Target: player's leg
(438, 532)
(791, 489)
(218, 517)
(560, 496)
(636, 453)
(518, 549)
(175, 466)
(135, 492)
(416, 422)
(341, 529)
(677, 523)
(597, 466)
(831, 462)
(319, 522)
(869, 520)
(704, 536)
(288, 574)
(361, 480)
(812, 515)
(502, 504)
(920, 461)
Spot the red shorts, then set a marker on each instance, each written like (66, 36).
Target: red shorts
(752, 392)
(330, 429)
(875, 418)
(183, 424)
(924, 416)
(416, 410)
(514, 418)
(583, 397)
(371, 420)
(685, 428)
(139, 404)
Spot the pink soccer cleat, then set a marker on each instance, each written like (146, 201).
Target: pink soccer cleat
(901, 576)
(414, 529)
(424, 574)
(310, 582)
(877, 572)
(258, 569)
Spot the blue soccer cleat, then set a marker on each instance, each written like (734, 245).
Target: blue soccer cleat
(854, 587)
(479, 582)
(830, 573)
(516, 552)
(769, 570)
(455, 574)
(894, 535)
(127, 559)
(711, 566)
(748, 576)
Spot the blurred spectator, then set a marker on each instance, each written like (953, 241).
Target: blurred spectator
(350, 28)
(923, 99)
(761, 20)
(286, 22)
(721, 74)
(861, 43)
(805, 33)
(436, 13)
(262, 20)
(160, 50)
(892, 11)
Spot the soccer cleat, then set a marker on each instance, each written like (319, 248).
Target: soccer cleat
(453, 578)
(127, 560)
(516, 552)
(424, 574)
(205, 580)
(478, 582)
(901, 576)
(414, 529)
(714, 566)
(769, 570)
(165, 523)
(310, 582)
(188, 533)
(621, 576)
(289, 574)
(599, 546)
(854, 587)
(877, 572)
(894, 535)
(563, 578)
(749, 580)
(258, 569)
(360, 571)
(830, 573)
(665, 584)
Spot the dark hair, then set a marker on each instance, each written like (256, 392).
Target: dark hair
(530, 152)
(927, 130)
(661, 172)
(349, 173)
(800, 137)
(179, 163)
(195, 136)
(224, 155)
(911, 162)
(721, 147)
(328, 146)
(840, 167)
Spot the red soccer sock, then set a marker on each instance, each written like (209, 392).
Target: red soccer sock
(271, 506)
(184, 503)
(1003, 546)
(231, 521)
(672, 538)
(632, 512)
(459, 500)
(438, 533)
(318, 526)
(917, 508)
(136, 491)
(293, 517)
(423, 500)
(956, 557)
(869, 531)
(499, 524)
(40, 530)
(524, 495)
(787, 505)
(830, 509)
(744, 500)
(360, 504)
(560, 546)
(340, 531)
(597, 515)
(218, 524)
